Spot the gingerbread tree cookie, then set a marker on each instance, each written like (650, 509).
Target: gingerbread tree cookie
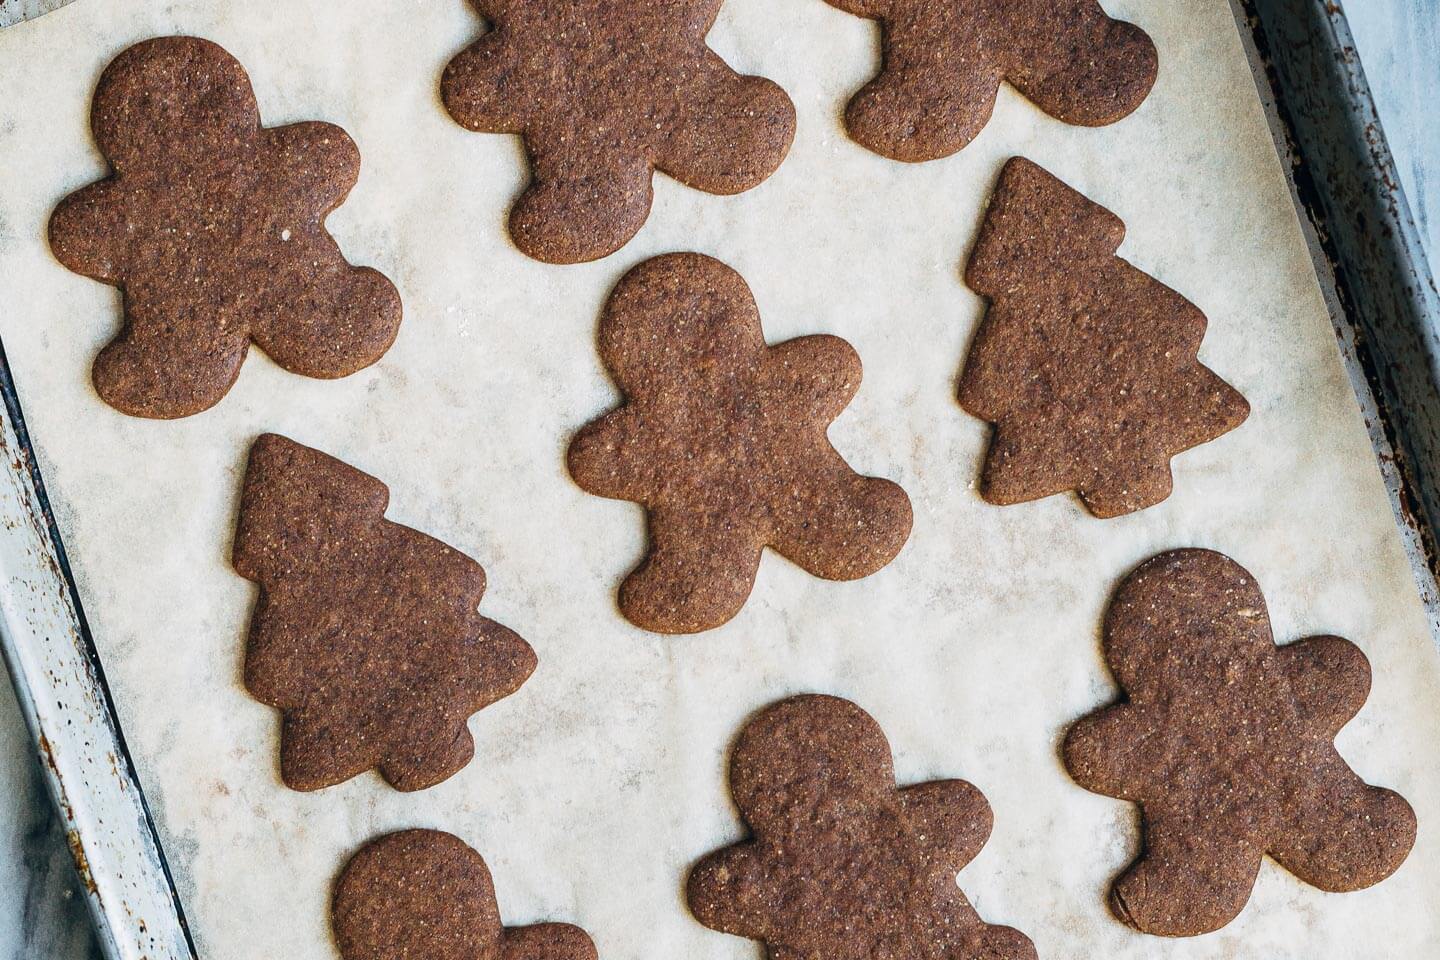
(843, 864)
(1226, 742)
(214, 229)
(604, 94)
(723, 440)
(1086, 366)
(426, 895)
(944, 61)
(366, 635)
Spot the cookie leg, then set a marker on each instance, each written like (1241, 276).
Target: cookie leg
(580, 206)
(1091, 70)
(1190, 879)
(329, 321)
(426, 751)
(315, 754)
(734, 133)
(154, 370)
(920, 109)
(1349, 835)
(839, 525)
(697, 575)
(547, 941)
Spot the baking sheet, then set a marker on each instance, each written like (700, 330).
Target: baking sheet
(600, 782)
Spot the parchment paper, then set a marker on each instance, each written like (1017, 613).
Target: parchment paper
(602, 780)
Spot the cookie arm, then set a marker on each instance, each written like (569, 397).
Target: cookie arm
(89, 232)
(610, 458)
(311, 167)
(547, 941)
(814, 377)
(1105, 753)
(1329, 679)
(479, 87)
(734, 131)
(952, 815)
(729, 891)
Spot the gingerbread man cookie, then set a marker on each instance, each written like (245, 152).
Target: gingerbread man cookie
(844, 864)
(1226, 742)
(366, 635)
(604, 94)
(722, 439)
(426, 895)
(943, 61)
(214, 228)
(1087, 367)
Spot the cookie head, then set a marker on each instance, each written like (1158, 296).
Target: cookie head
(416, 893)
(176, 95)
(805, 752)
(424, 893)
(1173, 602)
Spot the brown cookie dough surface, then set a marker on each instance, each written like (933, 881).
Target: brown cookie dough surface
(943, 61)
(604, 94)
(1086, 366)
(366, 635)
(214, 228)
(426, 895)
(1226, 742)
(722, 438)
(843, 864)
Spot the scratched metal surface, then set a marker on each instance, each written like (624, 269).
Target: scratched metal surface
(1368, 256)
(61, 691)
(1399, 42)
(13, 11)
(1368, 250)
